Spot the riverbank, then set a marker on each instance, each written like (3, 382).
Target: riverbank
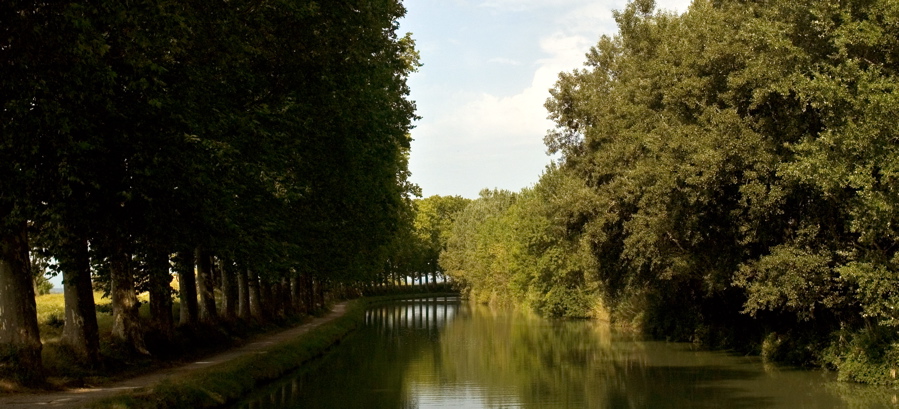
(218, 379)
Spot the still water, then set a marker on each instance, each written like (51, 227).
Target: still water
(443, 353)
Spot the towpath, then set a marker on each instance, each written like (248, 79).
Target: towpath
(80, 397)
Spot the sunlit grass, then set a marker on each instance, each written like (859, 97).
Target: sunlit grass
(51, 312)
(51, 315)
(58, 361)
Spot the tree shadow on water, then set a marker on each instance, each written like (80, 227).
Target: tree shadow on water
(653, 387)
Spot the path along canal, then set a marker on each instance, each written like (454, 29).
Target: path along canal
(446, 353)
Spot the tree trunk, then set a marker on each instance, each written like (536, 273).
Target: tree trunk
(81, 333)
(309, 293)
(243, 294)
(254, 295)
(229, 290)
(265, 298)
(284, 299)
(274, 298)
(20, 341)
(187, 283)
(205, 286)
(125, 306)
(161, 295)
(296, 301)
(319, 293)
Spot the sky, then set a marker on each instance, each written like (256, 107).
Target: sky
(488, 67)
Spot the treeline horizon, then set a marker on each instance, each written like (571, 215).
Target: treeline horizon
(262, 145)
(728, 176)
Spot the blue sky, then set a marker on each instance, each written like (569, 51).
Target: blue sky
(488, 66)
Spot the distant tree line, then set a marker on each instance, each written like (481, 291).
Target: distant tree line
(256, 148)
(728, 176)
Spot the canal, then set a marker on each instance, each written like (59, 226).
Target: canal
(447, 353)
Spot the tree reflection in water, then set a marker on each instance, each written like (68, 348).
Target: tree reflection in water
(442, 353)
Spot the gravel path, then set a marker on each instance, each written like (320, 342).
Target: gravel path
(78, 398)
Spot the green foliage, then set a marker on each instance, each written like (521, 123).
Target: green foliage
(870, 355)
(272, 134)
(247, 129)
(477, 256)
(42, 284)
(739, 156)
(517, 248)
(433, 223)
(789, 279)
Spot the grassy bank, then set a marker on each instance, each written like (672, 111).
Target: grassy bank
(118, 361)
(224, 383)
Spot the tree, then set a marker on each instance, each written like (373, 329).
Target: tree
(478, 253)
(433, 223)
(19, 334)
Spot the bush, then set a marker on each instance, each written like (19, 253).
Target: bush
(870, 355)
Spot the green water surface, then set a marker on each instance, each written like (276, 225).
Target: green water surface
(446, 353)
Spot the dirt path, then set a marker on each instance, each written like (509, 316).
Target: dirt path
(77, 398)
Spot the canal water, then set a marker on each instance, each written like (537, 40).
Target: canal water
(447, 353)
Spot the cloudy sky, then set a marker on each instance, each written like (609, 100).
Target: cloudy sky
(488, 66)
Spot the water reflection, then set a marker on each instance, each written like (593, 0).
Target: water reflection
(440, 353)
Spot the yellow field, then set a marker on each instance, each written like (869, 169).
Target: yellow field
(51, 314)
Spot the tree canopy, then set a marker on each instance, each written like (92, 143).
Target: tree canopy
(726, 174)
(269, 136)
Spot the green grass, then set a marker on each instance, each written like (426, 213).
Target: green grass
(51, 315)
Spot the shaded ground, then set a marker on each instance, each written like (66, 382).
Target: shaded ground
(80, 397)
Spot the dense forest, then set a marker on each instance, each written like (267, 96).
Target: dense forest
(256, 148)
(727, 176)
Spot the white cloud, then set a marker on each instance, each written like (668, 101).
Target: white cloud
(516, 119)
(524, 5)
(504, 61)
(592, 18)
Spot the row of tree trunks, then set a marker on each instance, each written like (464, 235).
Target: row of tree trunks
(245, 296)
